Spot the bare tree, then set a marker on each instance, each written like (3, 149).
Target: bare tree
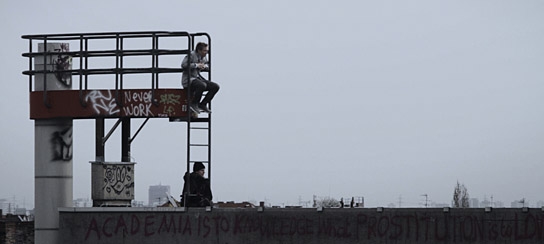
(460, 196)
(456, 195)
(327, 202)
(464, 197)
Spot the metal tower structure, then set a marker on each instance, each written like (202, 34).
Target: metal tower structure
(100, 76)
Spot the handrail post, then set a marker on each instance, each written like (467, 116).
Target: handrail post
(45, 102)
(117, 70)
(81, 54)
(30, 65)
(154, 65)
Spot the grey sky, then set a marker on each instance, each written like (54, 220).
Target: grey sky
(379, 99)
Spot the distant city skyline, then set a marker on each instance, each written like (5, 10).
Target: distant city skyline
(10, 205)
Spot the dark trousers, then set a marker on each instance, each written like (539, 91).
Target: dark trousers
(198, 86)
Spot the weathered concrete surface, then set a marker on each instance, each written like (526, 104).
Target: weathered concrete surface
(53, 147)
(241, 226)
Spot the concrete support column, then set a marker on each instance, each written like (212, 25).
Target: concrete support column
(53, 166)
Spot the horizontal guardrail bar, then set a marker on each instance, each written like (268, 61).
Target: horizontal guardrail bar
(106, 71)
(112, 53)
(104, 35)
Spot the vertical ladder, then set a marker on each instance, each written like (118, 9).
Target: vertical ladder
(199, 132)
(199, 146)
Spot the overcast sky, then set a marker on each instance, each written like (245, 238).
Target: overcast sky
(381, 99)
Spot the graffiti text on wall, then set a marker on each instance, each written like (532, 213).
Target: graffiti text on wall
(169, 101)
(408, 227)
(138, 103)
(102, 102)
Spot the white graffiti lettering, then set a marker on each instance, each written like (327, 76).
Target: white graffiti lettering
(144, 97)
(102, 102)
(138, 110)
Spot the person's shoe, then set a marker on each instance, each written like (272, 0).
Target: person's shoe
(204, 108)
(194, 108)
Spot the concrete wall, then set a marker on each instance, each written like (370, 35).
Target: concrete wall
(240, 226)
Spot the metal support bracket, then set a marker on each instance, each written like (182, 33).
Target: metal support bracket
(138, 131)
(111, 131)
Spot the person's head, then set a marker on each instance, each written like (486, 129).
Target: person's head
(202, 49)
(199, 168)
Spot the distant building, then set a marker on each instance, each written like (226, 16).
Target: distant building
(158, 195)
(474, 202)
(233, 205)
(498, 204)
(20, 211)
(4, 206)
(540, 204)
(519, 204)
(13, 206)
(7, 207)
(486, 203)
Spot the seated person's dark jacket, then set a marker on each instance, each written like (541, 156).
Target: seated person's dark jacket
(200, 194)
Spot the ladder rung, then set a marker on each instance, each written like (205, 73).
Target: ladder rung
(199, 145)
(200, 128)
(204, 162)
(184, 119)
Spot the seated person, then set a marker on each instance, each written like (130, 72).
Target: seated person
(198, 84)
(200, 193)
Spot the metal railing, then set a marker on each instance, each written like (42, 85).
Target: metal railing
(84, 52)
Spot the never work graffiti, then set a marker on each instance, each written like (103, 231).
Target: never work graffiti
(138, 103)
(134, 103)
(351, 228)
(118, 179)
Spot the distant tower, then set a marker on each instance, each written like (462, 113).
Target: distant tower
(158, 195)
